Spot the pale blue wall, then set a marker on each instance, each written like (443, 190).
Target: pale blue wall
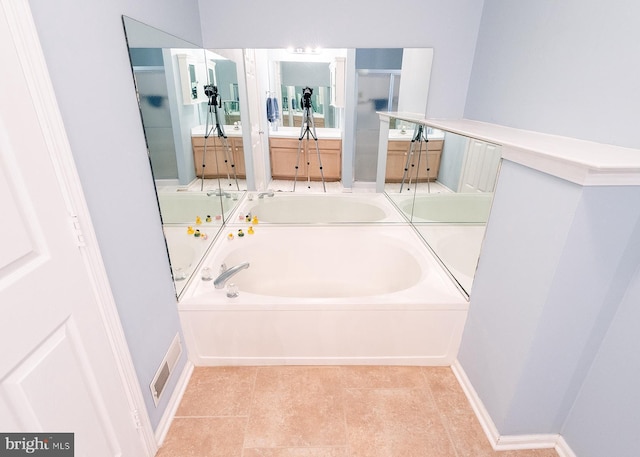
(450, 27)
(86, 53)
(604, 420)
(567, 67)
(558, 260)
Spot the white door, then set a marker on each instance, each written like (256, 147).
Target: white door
(262, 175)
(480, 168)
(58, 371)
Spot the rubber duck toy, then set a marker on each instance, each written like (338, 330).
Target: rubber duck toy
(254, 221)
(198, 220)
(230, 236)
(190, 230)
(208, 218)
(240, 233)
(250, 231)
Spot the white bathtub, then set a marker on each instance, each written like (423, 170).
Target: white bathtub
(186, 251)
(183, 207)
(325, 295)
(448, 207)
(320, 208)
(458, 246)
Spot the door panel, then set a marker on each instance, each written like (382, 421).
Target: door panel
(58, 370)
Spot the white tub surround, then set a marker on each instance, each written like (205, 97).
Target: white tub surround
(322, 208)
(446, 207)
(325, 295)
(582, 162)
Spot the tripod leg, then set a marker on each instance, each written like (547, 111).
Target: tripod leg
(295, 176)
(228, 160)
(315, 139)
(406, 165)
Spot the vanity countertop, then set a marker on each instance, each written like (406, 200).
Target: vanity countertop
(229, 130)
(396, 134)
(294, 132)
(282, 132)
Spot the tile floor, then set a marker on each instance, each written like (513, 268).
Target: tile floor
(326, 411)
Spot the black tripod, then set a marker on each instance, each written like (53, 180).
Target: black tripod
(214, 103)
(420, 133)
(308, 128)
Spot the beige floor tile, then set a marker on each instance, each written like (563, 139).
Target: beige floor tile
(394, 422)
(446, 390)
(296, 407)
(298, 452)
(218, 391)
(204, 437)
(348, 411)
(467, 435)
(375, 377)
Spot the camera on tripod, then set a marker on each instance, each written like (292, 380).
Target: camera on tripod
(211, 91)
(306, 97)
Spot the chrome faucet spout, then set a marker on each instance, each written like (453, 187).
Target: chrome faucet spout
(222, 279)
(218, 193)
(268, 193)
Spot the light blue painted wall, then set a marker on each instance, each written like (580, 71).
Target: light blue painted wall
(450, 27)
(566, 67)
(534, 346)
(604, 419)
(86, 53)
(557, 260)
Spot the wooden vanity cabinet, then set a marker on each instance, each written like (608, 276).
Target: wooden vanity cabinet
(284, 153)
(216, 153)
(397, 152)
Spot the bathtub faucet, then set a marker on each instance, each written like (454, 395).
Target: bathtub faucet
(227, 273)
(268, 193)
(218, 193)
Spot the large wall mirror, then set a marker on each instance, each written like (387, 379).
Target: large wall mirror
(444, 183)
(171, 76)
(439, 184)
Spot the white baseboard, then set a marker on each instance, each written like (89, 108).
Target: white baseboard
(563, 449)
(174, 402)
(507, 442)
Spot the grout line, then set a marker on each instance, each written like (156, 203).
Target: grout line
(443, 418)
(251, 403)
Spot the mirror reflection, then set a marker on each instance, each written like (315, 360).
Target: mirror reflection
(444, 183)
(193, 103)
(170, 77)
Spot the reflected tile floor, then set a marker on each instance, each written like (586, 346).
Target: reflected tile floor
(326, 411)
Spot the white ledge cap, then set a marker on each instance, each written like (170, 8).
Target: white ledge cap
(583, 162)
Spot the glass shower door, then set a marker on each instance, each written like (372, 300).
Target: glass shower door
(377, 91)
